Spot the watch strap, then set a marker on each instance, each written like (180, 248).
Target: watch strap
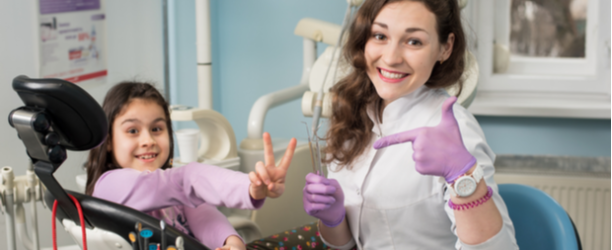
(452, 190)
(477, 175)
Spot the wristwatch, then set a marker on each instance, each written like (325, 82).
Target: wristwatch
(465, 185)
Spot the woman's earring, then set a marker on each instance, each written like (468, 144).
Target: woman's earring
(441, 61)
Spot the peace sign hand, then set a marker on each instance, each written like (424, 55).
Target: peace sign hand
(269, 180)
(437, 150)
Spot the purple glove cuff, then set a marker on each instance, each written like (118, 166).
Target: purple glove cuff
(257, 204)
(335, 224)
(456, 175)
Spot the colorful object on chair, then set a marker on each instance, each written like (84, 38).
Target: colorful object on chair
(145, 234)
(162, 225)
(133, 238)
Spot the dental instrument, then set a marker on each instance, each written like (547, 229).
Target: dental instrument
(138, 228)
(162, 225)
(146, 233)
(132, 237)
(317, 154)
(319, 101)
(318, 105)
(314, 169)
(180, 243)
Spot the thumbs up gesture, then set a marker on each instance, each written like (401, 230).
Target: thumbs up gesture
(437, 150)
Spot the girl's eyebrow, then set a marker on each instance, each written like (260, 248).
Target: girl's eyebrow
(130, 120)
(408, 30)
(159, 119)
(138, 121)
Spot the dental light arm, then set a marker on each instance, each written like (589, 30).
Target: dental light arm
(266, 102)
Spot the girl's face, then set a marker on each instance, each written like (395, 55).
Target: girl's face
(403, 49)
(140, 138)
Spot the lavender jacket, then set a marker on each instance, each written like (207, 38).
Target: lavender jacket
(183, 197)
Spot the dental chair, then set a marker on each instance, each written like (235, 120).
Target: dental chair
(539, 221)
(59, 116)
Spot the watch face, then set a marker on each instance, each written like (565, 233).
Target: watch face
(465, 186)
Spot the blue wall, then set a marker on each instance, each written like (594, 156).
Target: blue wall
(255, 52)
(547, 136)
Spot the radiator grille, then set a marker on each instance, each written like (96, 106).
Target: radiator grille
(586, 200)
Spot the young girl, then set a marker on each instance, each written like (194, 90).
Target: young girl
(384, 196)
(133, 167)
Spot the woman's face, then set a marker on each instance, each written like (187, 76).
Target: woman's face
(403, 49)
(140, 138)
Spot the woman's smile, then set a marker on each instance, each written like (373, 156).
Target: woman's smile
(391, 76)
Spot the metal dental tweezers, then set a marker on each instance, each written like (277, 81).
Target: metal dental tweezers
(315, 154)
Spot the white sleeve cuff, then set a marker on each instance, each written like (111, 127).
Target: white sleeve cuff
(347, 246)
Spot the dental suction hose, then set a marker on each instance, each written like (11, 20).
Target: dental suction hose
(20, 226)
(318, 107)
(33, 186)
(7, 179)
(357, 3)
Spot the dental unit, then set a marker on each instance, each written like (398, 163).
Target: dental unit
(218, 147)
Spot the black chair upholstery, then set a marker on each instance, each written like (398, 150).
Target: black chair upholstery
(119, 219)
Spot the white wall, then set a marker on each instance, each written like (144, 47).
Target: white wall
(134, 48)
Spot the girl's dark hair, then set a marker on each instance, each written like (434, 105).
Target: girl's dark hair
(100, 159)
(350, 129)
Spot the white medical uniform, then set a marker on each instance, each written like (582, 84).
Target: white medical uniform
(389, 205)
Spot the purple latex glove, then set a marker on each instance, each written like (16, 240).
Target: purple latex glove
(438, 150)
(323, 199)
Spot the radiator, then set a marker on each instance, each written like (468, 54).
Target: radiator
(586, 200)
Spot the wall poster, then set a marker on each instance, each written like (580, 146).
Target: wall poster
(72, 40)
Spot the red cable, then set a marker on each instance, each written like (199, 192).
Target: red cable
(53, 225)
(78, 205)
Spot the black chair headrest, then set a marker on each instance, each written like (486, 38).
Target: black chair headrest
(77, 117)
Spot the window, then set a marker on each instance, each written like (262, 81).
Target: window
(541, 57)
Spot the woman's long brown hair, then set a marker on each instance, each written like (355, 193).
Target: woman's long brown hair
(100, 159)
(350, 129)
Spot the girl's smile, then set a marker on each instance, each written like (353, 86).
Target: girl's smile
(147, 157)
